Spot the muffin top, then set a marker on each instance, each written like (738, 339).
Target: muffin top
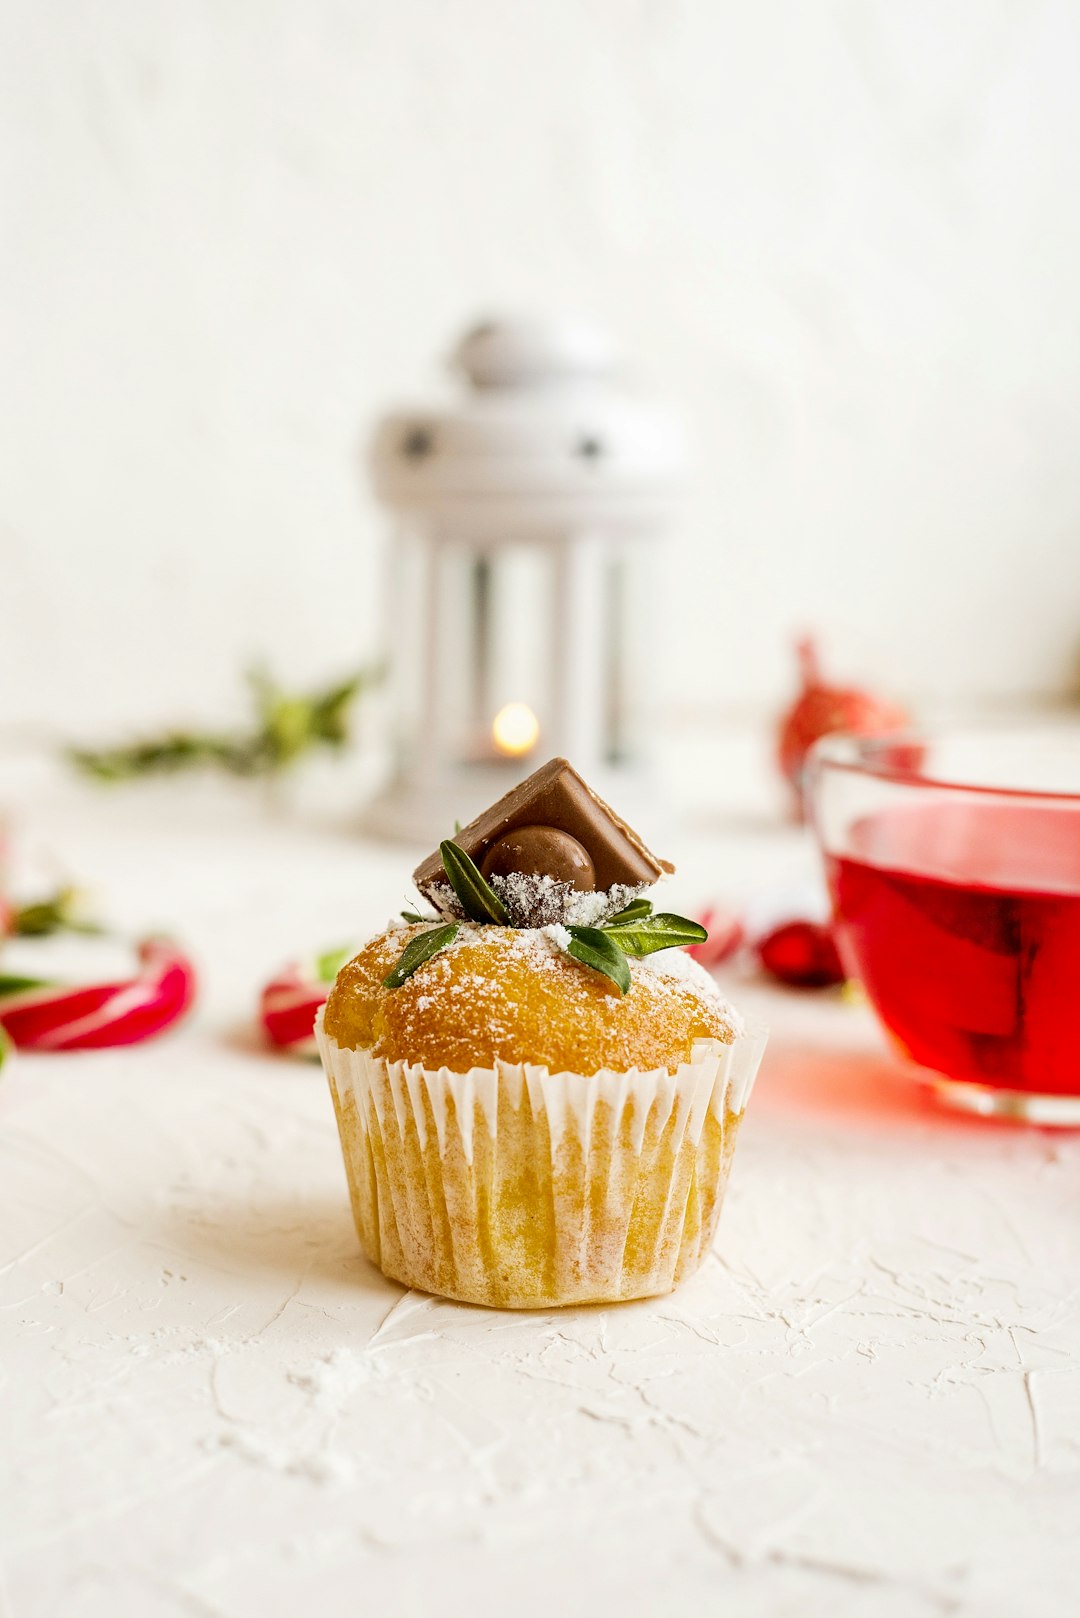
(542, 949)
(513, 994)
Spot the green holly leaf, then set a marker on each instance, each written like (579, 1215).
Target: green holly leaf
(419, 950)
(478, 898)
(594, 948)
(651, 933)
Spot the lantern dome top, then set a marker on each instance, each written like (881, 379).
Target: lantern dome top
(543, 429)
(517, 353)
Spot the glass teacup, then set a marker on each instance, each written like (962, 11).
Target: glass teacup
(953, 861)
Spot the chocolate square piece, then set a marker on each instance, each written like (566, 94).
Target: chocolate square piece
(555, 799)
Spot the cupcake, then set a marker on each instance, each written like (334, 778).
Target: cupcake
(537, 1090)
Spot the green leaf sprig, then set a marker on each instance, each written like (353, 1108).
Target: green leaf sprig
(478, 898)
(13, 983)
(419, 950)
(287, 726)
(62, 912)
(646, 934)
(635, 931)
(635, 909)
(592, 946)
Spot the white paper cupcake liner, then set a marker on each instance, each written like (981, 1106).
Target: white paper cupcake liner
(519, 1188)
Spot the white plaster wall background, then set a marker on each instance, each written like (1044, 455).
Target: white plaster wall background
(846, 236)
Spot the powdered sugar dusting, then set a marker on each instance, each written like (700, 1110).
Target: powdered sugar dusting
(445, 900)
(676, 967)
(542, 948)
(508, 994)
(533, 900)
(537, 947)
(593, 909)
(537, 901)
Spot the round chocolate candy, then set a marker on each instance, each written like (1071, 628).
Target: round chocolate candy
(541, 851)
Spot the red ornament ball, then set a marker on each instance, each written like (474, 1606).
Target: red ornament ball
(823, 710)
(802, 954)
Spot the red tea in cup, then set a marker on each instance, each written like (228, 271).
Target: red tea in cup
(961, 918)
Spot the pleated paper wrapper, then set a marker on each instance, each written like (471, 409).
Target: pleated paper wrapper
(524, 1189)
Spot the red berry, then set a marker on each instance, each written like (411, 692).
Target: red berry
(802, 954)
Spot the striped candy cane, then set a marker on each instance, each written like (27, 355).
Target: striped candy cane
(46, 1016)
(288, 1005)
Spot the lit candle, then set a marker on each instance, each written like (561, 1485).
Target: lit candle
(515, 730)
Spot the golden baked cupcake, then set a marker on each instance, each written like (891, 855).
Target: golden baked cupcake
(537, 1090)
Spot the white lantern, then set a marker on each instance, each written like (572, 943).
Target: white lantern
(516, 575)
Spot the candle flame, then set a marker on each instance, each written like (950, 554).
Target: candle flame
(515, 730)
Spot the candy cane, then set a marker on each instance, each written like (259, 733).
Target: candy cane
(287, 1006)
(60, 1017)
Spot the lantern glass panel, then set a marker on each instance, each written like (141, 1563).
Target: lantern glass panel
(404, 631)
(629, 584)
(517, 651)
(477, 685)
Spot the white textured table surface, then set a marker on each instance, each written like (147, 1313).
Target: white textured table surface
(868, 1401)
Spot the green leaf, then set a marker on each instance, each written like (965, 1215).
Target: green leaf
(411, 916)
(287, 726)
(329, 964)
(655, 932)
(420, 949)
(633, 912)
(58, 914)
(174, 751)
(478, 898)
(10, 984)
(593, 948)
(6, 1047)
